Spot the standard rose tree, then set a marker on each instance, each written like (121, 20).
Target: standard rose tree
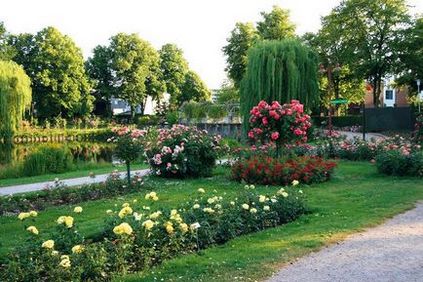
(279, 124)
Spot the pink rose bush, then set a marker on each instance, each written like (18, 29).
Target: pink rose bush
(183, 151)
(279, 124)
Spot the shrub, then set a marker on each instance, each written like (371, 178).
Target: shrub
(268, 170)
(59, 194)
(135, 239)
(183, 152)
(394, 162)
(48, 159)
(418, 130)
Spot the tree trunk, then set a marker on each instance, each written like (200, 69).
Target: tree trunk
(128, 172)
(132, 114)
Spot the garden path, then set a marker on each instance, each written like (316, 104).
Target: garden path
(369, 135)
(9, 190)
(392, 251)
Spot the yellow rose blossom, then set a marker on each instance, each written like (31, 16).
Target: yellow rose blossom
(77, 249)
(125, 205)
(262, 199)
(155, 215)
(33, 230)
(24, 215)
(49, 244)
(184, 227)
(208, 210)
(152, 196)
(109, 211)
(65, 263)
(77, 210)
(201, 190)
(266, 208)
(295, 182)
(253, 210)
(123, 228)
(63, 257)
(125, 211)
(245, 206)
(33, 213)
(169, 227)
(69, 221)
(210, 200)
(54, 253)
(196, 206)
(148, 224)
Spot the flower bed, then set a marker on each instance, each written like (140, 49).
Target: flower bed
(268, 170)
(183, 152)
(393, 162)
(59, 194)
(136, 238)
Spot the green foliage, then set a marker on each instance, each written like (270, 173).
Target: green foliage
(195, 111)
(242, 37)
(6, 51)
(56, 67)
(276, 25)
(228, 94)
(99, 70)
(394, 162)
(48, 159)
(174, 68)
(369, 35)
(15, 97)
(279, 71)
(136, 67)
(193, 89)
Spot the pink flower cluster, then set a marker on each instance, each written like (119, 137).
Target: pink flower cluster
(278, 123)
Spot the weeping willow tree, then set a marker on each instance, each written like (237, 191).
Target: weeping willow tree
(15, 97)
(279, 71)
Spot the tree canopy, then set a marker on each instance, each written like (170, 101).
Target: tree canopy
(15, 97)
(174, 68)
(279, 71)
(274, 25)
(193, 89)
(56, 67)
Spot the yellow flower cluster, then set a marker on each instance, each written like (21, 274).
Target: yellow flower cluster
(148, 224)
(295, 182)
(245, 206)
(33, 230)
(77, 210)
(123, 228)
(183, 227)
(155, 215)
(208, 210)
(151, 196)
(174, 215)
(67, 220)
(282, 192)
(49, 244)
(262, 199)
(77, 249)
(169, 227)
(25, 215)
(126, 210)
(253, 210)
(65, 261)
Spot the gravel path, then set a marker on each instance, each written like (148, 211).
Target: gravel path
(390, 252)
(9, 190)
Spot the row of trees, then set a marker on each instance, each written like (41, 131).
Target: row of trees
(63, 84)
(359, 41)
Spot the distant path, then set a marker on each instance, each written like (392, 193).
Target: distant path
(9, 190)
(390, 252)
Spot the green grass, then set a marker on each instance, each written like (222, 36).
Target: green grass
(356, 198)
(101, 168)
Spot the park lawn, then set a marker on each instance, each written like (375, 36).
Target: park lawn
(356, 197)
(82, 172)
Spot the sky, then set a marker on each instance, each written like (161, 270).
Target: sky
(199, 27)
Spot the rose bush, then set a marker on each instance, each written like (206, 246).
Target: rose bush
(183, 151)
(137, 237)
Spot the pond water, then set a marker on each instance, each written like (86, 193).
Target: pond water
(81, 151)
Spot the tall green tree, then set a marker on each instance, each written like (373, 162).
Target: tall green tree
(368, 33)
(135, 65)
(6, 51)
(100, 71)
(276, 25)
(15, 97)
(242, 37)
(411, 67)
(174, 68)
(193, 89)
(56, 67)
(279, 71)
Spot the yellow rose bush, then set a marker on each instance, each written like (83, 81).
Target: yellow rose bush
(136, 237)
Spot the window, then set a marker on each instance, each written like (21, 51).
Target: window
(389, 94)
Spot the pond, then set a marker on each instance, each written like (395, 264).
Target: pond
(93, 152)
